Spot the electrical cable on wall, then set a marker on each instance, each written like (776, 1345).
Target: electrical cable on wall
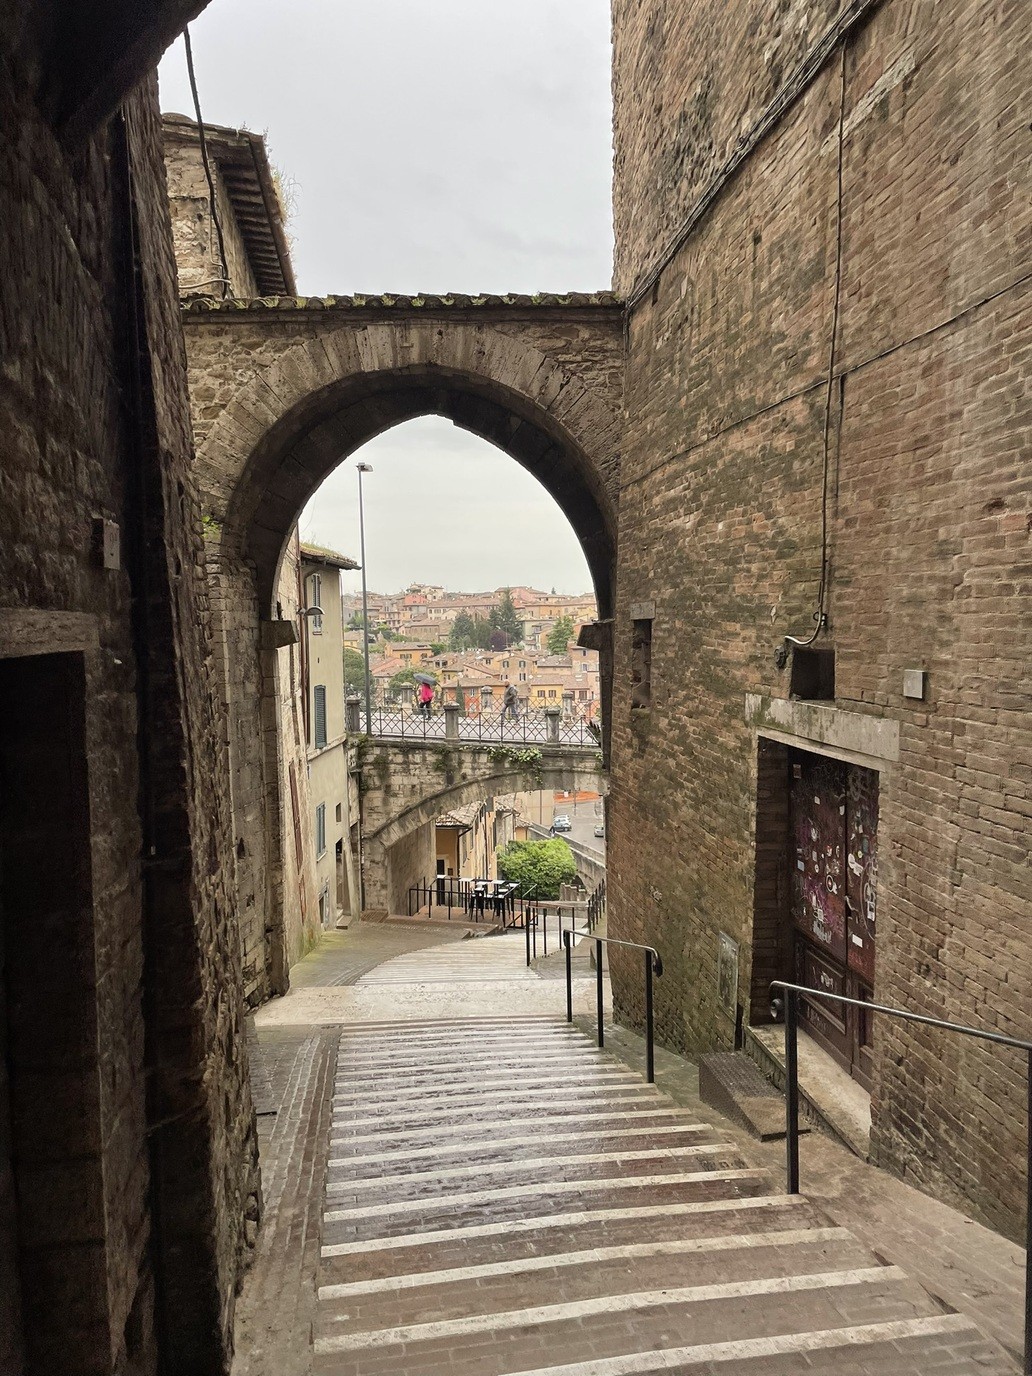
(207, 166)
(820, 615)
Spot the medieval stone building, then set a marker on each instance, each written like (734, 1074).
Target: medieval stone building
(791, 444)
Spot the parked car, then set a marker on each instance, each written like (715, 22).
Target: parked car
(562, 823)
(600, 830)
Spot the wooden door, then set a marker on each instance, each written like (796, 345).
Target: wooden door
(833, 854)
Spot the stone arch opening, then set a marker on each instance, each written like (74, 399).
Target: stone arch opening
(321, 432)
(283, 397)
(393, 822)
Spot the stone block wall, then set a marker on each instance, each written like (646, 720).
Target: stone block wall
(193, 231)
(93, 410)
(878, 228)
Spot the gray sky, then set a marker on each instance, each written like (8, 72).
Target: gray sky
(458, 145)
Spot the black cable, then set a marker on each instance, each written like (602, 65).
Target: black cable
(820, 615)
(204, 158)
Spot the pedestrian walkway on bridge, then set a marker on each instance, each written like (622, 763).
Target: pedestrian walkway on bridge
(479, 1190)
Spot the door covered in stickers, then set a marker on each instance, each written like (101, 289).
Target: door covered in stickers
(834, 861)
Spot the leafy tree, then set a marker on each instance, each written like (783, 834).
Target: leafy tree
(505, 618)
(471, 633)
(540, 866)
(559, 636)
(462, 632)
(354, 671)
(437, 647)
(385, 633)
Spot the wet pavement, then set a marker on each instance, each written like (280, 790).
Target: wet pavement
(478, 1189)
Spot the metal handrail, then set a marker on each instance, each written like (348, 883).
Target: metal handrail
(653, 966)
(790, 1007)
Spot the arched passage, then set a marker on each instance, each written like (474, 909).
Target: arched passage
(282, 398)
(392, 815)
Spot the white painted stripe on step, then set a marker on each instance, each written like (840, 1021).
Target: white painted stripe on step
(741, 1349)
(635, 1251)
(505, 1143)
(473, 1059)
(540, 1187)
(375, 1093)
(488, 1125)
(450, 1102)
(576, 1310)
(460, 1109)
(539, 1163)
(420, 1043)
(578, 1219)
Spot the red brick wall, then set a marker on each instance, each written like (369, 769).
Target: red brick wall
(919, 264)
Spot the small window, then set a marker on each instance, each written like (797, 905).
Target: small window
(641, 665)
(813, 674)
(320, 829)
(523, 663)
(320, 716)
(551, 692)
(316, 601)
(338, 812)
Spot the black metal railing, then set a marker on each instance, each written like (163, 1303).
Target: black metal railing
(546, 728)
(789, 1006)
(653, 966)
(596, 905)
(472, 900)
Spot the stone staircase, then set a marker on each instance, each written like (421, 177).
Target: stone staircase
(502, 1197)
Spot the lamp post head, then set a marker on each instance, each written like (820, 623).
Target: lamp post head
(364, 467)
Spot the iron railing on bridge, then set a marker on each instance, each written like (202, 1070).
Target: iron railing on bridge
(547, 728)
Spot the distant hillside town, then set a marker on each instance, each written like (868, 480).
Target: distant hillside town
(474, 644)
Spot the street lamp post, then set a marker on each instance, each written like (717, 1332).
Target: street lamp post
(365, 468)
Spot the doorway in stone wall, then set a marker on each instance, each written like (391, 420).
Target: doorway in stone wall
(52, 1221)
(833, 863)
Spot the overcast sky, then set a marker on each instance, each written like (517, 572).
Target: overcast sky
(458, 145)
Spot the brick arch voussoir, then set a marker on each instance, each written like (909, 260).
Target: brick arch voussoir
(312, 367)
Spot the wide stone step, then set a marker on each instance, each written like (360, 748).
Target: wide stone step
(607, 1325)
(585, 1274)
(506, 1199)
(559, 1143)
(578, 1230)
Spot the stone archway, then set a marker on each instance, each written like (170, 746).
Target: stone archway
(284, 392)
(413, 785)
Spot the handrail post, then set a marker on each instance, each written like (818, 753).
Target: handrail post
(598, 991)
(544, 931)
(526, 931)
(650, 1042)
(1028, 1220)
(569, 975)
(791, 1092)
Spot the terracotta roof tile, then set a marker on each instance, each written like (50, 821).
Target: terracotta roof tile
(391, 301)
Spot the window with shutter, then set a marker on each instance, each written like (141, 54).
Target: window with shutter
(320, 716)
(320, 829)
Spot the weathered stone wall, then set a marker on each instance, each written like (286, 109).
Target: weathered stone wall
(880, 226)
(193, 230)
(412, 860)
(93, 411)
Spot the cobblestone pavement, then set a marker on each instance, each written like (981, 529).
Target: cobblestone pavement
(502, 1197)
